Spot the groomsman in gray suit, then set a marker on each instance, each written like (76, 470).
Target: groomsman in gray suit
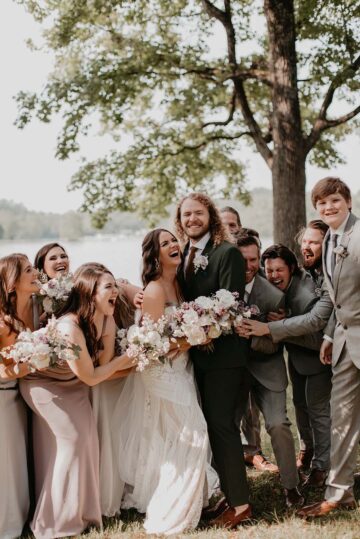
(310, 379)
(341, 346)
(268, 371)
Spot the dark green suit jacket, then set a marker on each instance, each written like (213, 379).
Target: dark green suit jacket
(225, 269)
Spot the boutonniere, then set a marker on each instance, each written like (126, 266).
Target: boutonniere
(200, 262)
(341, 251)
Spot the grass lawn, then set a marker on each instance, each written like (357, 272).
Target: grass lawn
(271, 520)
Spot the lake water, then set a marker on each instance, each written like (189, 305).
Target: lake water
(122, 255)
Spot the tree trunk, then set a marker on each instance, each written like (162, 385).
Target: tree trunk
(288, 166)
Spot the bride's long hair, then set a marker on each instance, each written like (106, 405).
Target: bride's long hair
(10, 272)
(152, 270)
(81, 302)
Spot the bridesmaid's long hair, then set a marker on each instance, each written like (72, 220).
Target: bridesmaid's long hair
(152, 270)
(40, 256)
(10, 272)
(81, 302)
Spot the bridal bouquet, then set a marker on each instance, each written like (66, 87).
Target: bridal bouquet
(147, 343)
(208, 317)
(41, 349)
(54, 292)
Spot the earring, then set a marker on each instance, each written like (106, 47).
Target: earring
(157, 264)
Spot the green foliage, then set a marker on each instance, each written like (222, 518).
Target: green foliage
(153, 71)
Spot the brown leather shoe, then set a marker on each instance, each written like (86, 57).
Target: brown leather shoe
(323, 508)
(259, 462)
(229, 520)
(216, 510)
(304, 459)
(293, 498)
(315, 479)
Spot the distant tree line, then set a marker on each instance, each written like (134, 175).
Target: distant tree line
(17, 222)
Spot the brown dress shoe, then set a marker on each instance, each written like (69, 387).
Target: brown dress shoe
(229, 520)
(216, 510)
(304, 459)
(293, 498)
(323, 508)
(316, 478)
(259, 462)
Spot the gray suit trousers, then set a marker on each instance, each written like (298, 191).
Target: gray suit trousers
(251, 428)
(345, 429)
(311, 397)
(273, 407)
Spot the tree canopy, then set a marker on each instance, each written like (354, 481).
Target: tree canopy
(183, 86)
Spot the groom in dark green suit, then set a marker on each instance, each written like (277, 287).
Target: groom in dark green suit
(210, 263)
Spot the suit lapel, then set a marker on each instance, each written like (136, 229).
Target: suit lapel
(326, 275)
(343, 246)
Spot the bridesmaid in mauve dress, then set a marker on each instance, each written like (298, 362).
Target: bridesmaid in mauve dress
(65, 439)
(17, 284)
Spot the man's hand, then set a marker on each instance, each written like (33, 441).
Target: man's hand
(275, 316)
(326, 352)
(242, 331)
(254, 327)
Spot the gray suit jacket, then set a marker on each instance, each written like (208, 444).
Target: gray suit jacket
(306, 323)
(300, 296)
(344, 291)
(268, 369)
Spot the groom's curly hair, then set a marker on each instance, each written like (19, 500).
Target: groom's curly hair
(218, 232)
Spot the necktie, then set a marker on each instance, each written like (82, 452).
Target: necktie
(189, 270)
(333, 254)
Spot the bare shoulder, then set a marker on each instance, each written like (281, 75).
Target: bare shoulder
(154, 290)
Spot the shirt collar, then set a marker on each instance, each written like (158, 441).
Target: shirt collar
(341, 229)
(202, 242)
(249, 286)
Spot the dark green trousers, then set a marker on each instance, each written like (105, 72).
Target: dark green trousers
(223, 393)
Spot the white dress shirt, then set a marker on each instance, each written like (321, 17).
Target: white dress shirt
(339, 232)
(248, 289)
(200, 245)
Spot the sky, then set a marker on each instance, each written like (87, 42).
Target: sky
(30, 174)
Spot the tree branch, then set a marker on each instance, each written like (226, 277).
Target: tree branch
(207, 141)
(339, 79)
(255, 132)
(322, 122)
(231, 113)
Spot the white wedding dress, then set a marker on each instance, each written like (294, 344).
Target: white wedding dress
(161, 440)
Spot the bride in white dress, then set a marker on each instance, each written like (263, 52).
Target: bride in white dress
(161, 435)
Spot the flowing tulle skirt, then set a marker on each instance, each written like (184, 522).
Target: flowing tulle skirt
(160, 437)
(14, 490)
(66, 455)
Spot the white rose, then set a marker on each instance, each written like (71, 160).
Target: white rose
(195, 335)
(204, 302)
(214, 332)
(190, 317)
(225, 298)
(153, 338)
(40, 362)
(133, 333)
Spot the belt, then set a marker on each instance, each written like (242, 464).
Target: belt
(8, 388)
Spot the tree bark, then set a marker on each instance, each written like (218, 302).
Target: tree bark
(288, 165)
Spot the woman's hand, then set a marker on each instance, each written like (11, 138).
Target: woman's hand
(138, 299)
(255, 328)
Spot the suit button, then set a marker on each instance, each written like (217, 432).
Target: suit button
(338, 306)
(345, 326)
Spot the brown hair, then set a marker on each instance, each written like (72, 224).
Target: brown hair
(218, 231)
(81, 302)
(244, 240)
(329, 186)
(287, 255)
(10, 272)
(316, 224)
(151, 270)
(40, 256)
(230, 209)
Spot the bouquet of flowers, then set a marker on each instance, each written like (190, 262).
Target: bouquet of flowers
(147, 343)
(54, 292)
(41, 349)
(209, 317)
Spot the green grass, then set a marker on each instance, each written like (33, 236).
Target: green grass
(271, 519)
